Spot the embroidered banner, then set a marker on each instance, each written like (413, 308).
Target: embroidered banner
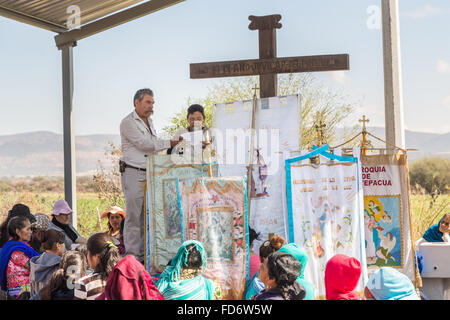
(163, 223)
(214, 211)
(325, 210)
(277, 131)
(387, 222)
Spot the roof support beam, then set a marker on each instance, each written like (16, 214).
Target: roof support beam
(112, 21)
(21, 17)
(70, 189)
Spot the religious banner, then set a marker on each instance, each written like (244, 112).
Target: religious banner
(325, 212)
(277, 131)
(163, 223)
(214, 211)
(387, 222)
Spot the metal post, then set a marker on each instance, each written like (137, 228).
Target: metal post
(392, 75)
(69, 138)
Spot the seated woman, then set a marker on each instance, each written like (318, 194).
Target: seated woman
(255, 285)
(116, 220)
(61, 222)
(130, 281)
(43, 266)
(389, 284)
(196, 119)
(182, 279)
(279, 273)
(38, 228)
(440, 231)
(302, 257)
(102, 256)
(15, 258)
(18, 210)
(62, 283)
(342, 275)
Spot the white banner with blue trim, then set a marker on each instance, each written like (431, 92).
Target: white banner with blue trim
(325, 212)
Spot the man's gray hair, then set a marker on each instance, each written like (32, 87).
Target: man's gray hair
(140, 94)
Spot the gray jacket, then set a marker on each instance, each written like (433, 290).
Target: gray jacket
(41, 270)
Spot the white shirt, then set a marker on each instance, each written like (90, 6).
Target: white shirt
(138, 140)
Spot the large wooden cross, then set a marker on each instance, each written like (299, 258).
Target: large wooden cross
(268, 65)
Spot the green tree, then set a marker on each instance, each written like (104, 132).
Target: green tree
(432, 174)
(317, 103)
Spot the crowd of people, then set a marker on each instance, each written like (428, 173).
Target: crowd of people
(46, 259)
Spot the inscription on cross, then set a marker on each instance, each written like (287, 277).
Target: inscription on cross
(268, 65)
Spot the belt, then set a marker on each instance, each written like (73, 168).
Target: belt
(133, 167)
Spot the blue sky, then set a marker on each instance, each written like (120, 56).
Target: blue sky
(155, 51)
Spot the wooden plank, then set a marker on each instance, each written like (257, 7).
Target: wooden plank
(254, 67)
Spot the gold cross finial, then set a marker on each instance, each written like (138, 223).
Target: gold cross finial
(364, 120)
(319, 128)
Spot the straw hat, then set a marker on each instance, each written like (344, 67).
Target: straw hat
(113, 210)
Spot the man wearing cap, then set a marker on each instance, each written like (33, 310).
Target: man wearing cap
(138, 137)
(61, 222)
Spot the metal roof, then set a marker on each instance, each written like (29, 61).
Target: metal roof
(53, 14)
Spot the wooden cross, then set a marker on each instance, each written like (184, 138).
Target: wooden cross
(268, 65)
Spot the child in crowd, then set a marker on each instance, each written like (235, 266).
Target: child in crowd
(42, 267)
(130, 281)
(342, 274)
(302, 257)
(389, 284)
(102, 255)
(63, 281)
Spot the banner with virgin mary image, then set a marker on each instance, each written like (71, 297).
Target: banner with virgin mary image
(163, 223)
(325, 210)
(214, 212)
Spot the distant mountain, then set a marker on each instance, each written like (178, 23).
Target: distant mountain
(41, 153)
(428, 144)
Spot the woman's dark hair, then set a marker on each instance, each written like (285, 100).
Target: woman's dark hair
(253, 235)
(14, 224)
(194, 260)
(77, 264)
(270, 246)
(51, 237)
(18, 210)
(103, 245)
(284, 268)
(82, 249)
(194, 108)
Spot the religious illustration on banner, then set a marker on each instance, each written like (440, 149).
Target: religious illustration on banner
(386, 213)
(325, 205)
(277, 131)
(163, 234)
(214, 212)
